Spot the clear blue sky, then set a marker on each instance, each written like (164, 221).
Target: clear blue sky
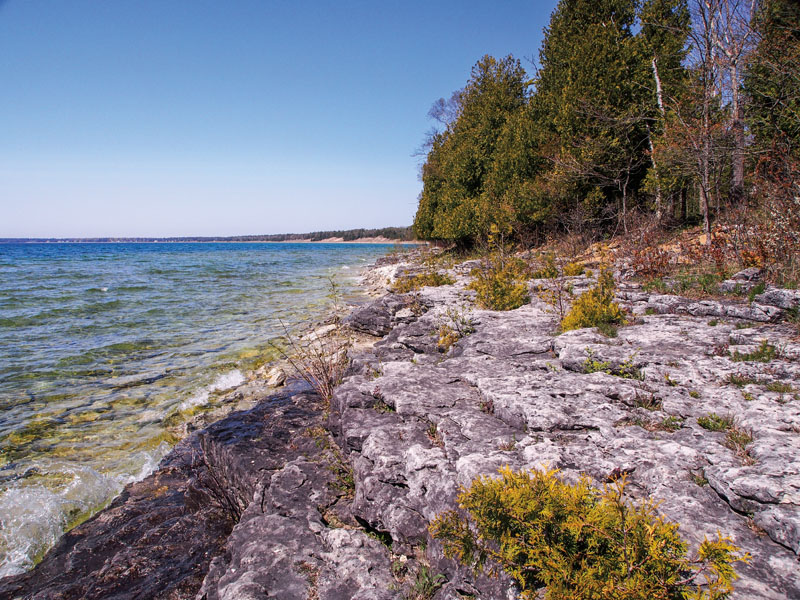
(193, 117)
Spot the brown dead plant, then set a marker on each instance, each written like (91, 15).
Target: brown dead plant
(320, 357)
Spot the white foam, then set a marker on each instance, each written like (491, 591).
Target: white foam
(34, 517)
(224, 381)
(148, 461)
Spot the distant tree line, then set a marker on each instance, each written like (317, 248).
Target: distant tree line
(668, 111)
(348, 235)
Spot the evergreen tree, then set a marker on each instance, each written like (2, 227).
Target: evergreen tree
(772, 82)
(592, 95)
(455, 173)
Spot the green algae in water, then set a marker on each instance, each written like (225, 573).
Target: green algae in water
(102, 342)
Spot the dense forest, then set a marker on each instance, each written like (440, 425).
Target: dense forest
(638, 113)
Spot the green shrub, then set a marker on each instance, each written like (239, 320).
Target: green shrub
(764, 353)
(656, 285)
(410, 283)
(447, 336)
(590, 365)
(780, 387)
(580, 542)
(704, 284)
(671, 423)
(792, 315)
(501, 286)
(626, 369)
(596, 307)
(715, 422)
(425, 584)
(756, 290)
(739, 380)
(647, 400)
(457, 324)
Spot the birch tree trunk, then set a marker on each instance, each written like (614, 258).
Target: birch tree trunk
(660, 100)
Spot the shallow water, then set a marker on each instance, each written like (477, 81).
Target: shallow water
(100, 342)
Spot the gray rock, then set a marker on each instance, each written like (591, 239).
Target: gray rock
(377, 318)
(514, 394)
(669, 304)
(749, 274)
(265, 513)
(786, 299)
(276, 377)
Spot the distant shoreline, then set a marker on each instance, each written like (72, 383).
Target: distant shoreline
(385, 235)
(367, 240)
(157, 241)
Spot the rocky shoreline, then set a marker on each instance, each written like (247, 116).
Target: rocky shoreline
(293, 499)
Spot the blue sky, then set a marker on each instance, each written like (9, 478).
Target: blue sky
(173, 117)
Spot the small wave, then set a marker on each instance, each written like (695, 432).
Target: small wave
(223, 382)
(34, 517)
(59, 314)
(129, 381)
(137, 349)
(149, 461)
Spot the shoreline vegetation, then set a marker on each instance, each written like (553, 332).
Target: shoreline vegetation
(644, 118)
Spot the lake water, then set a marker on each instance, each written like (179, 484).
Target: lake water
(99, 343)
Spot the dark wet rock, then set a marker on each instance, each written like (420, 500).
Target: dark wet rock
(287, 544)
(154, 541)
(236, 508)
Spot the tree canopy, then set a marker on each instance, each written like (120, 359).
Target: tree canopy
(636, 107)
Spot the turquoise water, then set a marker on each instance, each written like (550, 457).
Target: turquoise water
(100, 342)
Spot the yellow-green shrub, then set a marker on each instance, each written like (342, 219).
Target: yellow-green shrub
(502, 285)
(573, 269)
(549, 268)
(410, 283)
(456, 324)
(583, 544)
(596, 307)
(447, 337)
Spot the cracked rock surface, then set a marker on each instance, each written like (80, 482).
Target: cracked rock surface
(418, 423)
